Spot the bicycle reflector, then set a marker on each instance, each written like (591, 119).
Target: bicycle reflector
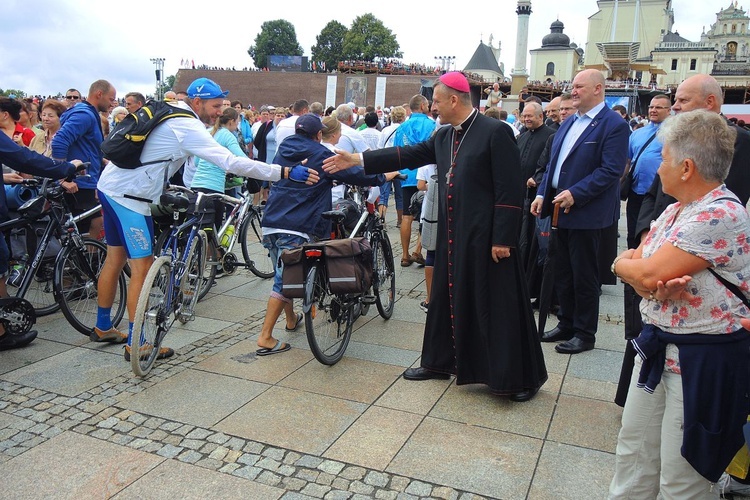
(314, 253)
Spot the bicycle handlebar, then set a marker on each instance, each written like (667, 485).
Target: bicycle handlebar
(200, 202)
(177, 187)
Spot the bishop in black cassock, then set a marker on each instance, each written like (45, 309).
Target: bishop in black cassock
(480, 325)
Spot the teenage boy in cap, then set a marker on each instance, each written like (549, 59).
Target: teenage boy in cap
(125, 194)
(480, 326)
(292, 215)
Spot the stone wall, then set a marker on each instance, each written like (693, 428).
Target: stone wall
(281, 89)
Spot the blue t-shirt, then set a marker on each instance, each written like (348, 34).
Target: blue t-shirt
(418, 128)
(648, 161)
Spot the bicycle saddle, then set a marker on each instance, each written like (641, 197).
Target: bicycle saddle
(176, 201)
(335, 216)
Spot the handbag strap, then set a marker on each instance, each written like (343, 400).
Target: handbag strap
(640, 151)
(732, 287)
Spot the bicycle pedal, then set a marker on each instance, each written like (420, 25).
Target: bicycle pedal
(368, 299)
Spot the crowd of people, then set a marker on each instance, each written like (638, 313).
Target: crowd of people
(505, 207)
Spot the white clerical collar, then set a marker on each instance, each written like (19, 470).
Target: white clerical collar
(459, 127)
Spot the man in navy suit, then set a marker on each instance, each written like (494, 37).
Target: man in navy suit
(587, 161)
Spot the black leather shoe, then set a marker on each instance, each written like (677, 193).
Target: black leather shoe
(557, 334)
(9, 341)
(520, 397)
(574, 346)
(424, 374)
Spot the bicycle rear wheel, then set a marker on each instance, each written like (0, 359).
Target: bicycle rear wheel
(76, 285)
(151, 321)
(255, 254)
(328, 318)
(192, 279)
(383, 274)
(212, 257)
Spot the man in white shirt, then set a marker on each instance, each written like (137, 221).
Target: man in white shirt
(351, 141)
(125, 194)
(285, 128)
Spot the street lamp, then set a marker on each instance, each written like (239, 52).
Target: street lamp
(445, 62)
(159, 63)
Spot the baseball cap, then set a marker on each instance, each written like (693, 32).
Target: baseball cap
(309, 123)
(205, 89)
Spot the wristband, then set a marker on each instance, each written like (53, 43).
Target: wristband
(614, 263)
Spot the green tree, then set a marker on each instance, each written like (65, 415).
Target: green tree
(20, 94)
(166, 85)
(275, 38)
(368, 39)
(330, 46)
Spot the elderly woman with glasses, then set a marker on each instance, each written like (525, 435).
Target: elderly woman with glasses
(682, 422)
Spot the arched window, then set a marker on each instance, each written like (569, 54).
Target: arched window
(550, 69)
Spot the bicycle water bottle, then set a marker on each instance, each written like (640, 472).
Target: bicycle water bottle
(227, 236)
(16, 274)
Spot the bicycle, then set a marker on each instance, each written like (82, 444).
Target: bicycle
(173, 282)
(220, 244)
(329, 316)
(67, 281)
(247, 217)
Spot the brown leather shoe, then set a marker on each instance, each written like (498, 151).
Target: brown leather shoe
(113, 336)
(164, 352)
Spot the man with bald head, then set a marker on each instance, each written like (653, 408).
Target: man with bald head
(700, 92)
(582, 180)
(530, 145)
(553, 113)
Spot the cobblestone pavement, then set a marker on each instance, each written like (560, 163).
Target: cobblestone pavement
(216, 421)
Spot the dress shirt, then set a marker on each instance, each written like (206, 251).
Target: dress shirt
(574, 132)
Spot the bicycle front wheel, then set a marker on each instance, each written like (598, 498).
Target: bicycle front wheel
(151, 321)
(328, 318)
(383, 274)
(255, 254)
(41, 289)
(76, 281)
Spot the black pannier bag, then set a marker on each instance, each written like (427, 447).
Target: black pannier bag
(349, 265)
(293, 273)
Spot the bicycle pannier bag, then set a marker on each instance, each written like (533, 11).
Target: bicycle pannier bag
(293, 273)
(349, 265)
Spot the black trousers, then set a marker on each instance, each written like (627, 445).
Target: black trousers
(633, 324)
(577, 281)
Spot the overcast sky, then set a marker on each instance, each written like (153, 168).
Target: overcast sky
(50, 45)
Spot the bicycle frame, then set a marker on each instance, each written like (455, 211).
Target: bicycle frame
(178, 263)
(61, 223)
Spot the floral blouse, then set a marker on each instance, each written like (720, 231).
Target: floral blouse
(714, 228)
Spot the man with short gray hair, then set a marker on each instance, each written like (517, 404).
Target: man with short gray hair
(700, 92)
(351, 141)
